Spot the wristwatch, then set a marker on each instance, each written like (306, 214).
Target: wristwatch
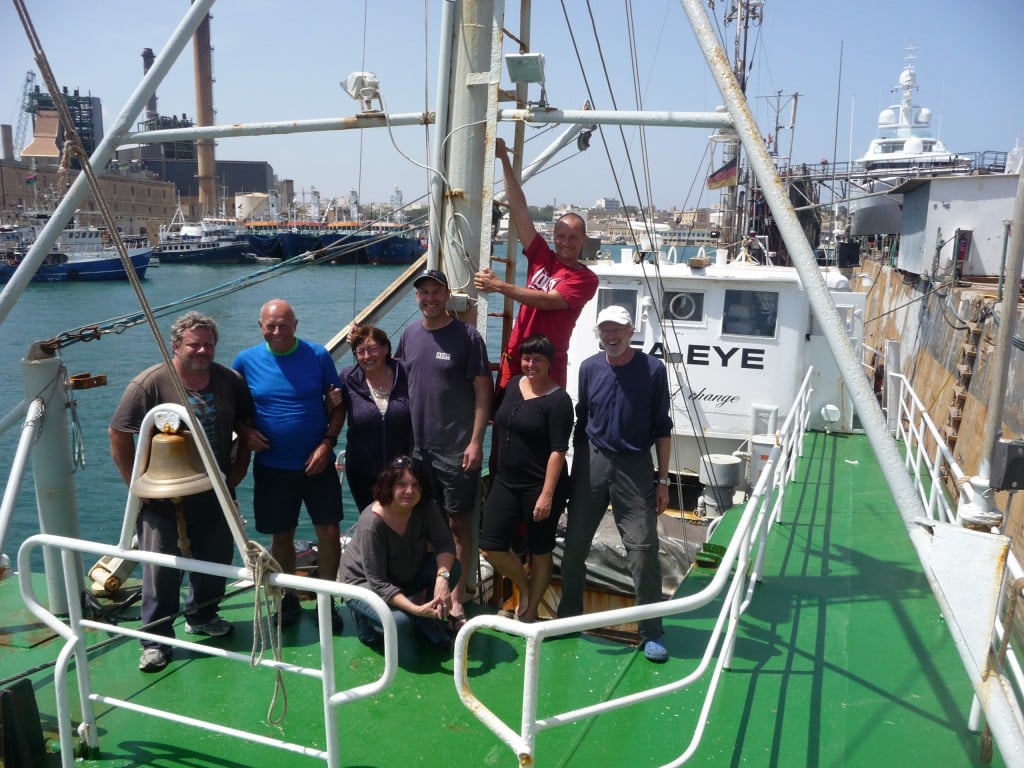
(332, 439)
(444, 573)
(664, 481)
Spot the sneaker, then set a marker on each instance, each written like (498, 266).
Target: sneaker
(215, 627)
(337, 622)
(154, 659)
(368, 634)
(291, 610)
(655, 650)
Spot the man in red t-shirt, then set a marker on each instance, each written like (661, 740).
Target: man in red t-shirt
(557, 285)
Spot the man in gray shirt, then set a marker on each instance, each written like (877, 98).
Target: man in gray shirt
(450, 388)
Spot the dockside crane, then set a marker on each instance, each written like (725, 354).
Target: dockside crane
(23, 113)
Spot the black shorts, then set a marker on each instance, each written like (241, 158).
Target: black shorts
(507, 510)
(456, 492)
(278, 496)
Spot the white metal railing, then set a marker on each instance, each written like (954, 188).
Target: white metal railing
(931, 464)
(69, 548)
(868, 356)
(73, 633)
(735, 580)
(927, 457)
(32, 425)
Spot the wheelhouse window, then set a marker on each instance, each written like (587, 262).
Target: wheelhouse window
(750, 313)
(621, 297)
(847, 316)
(683, 305)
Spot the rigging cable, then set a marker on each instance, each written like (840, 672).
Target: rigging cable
(698, 427)
(638, 99)
(622, 133)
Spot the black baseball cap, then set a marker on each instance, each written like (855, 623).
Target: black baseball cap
(432, 274)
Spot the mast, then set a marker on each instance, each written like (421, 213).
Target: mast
(744, 13)
(464, 145)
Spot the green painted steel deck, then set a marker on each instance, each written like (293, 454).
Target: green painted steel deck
(841, 660)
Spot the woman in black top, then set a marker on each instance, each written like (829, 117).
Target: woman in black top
(375, 393)
(532, 426)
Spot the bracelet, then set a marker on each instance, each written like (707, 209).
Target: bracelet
(444, 573)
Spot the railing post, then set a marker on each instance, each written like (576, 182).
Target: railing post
(52, 469)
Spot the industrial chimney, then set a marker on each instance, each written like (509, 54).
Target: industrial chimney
(6, 142)
(147, 62)
(207, 166)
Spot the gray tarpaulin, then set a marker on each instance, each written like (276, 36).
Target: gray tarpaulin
(607, 567)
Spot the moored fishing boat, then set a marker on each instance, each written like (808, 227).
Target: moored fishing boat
(809, 631)
(348, 242)
(80, 254)
(208, 241)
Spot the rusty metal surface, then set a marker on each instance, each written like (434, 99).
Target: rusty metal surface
(20, 629)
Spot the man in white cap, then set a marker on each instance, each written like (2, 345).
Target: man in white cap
(622, 412)
(450, 388)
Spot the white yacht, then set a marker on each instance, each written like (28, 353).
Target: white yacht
(904, 148)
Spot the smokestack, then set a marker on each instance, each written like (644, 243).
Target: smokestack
(206, 171)
(6, 143)
(147, 62)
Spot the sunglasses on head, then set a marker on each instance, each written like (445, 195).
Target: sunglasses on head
(401, 462)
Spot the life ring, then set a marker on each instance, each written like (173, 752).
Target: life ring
(682, 306)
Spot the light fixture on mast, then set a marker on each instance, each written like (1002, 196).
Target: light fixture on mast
(363, 87)
(527, 68)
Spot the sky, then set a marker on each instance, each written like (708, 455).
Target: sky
(276, 60)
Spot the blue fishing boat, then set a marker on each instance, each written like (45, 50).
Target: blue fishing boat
(339, 242)
(80, 254)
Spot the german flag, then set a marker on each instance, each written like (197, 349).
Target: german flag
(724, 176)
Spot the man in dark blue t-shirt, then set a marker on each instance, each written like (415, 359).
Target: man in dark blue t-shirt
(622, 412)
(450, 389)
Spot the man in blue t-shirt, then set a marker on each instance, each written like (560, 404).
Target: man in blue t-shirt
(293, 436)
(622, 412)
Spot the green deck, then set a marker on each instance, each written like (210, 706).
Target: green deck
(841, 660)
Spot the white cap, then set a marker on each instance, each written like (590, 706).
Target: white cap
(614, 314)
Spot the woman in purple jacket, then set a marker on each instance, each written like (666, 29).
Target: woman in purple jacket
(376, 396)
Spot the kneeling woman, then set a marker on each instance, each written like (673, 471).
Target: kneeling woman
(532, 425)
(389, 554)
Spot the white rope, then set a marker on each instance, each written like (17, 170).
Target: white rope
(260, 563)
